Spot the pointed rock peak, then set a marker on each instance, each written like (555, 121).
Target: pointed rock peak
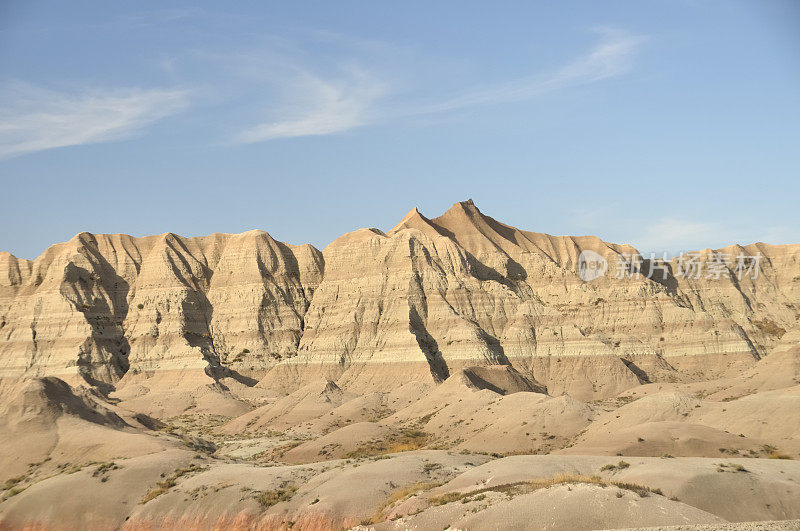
(412, 220)
(413, 213)
(462, 208)
(469, 204)
(83, 238)
(475, 231)
(415, 220)
(461, 212)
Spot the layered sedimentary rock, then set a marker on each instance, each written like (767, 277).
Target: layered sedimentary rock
(99, 308)
(463, 289)
(377, 309)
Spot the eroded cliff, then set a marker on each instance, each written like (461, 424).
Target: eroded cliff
(378, 309)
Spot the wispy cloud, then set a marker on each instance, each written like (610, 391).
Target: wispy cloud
(676, 235)
(672, 235)
(324, 106)
(33, 119)
(159, 16)
(611, 57)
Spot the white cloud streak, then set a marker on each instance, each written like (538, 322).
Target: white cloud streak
(610, 58)
(672, 235)
(327, 106)
(678, 235)
(33, 119)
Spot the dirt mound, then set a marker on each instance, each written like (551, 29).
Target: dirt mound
(574, 506)
(502, 379)
(307, 403)
(418, 489)
(43, 400)
(45, 420)
(731, 490)
(355, 440)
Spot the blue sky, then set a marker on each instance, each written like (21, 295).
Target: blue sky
(664, 123)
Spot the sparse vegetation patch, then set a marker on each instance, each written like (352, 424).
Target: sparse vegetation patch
(524, 487)
(268, 498)
(619, 466)
(407, 440)
(769, 328)
(170, 481)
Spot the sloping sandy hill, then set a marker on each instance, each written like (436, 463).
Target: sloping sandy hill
(421, 489)
(157, 396)
(43, 423)
(502, 379)
(757, 489)
(575, 507)
(334, 496)
(461, 415)
(778, 370)
(659, 424)
(770, 416)
(663, 438)
(676, 424)
(371, 407)
(309, 402)
(339, 443)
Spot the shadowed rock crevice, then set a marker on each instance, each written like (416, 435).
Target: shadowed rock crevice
(502, 379)
(652, 269)
(428, 346)
(640, 374)
(496, 350)
(102, 359)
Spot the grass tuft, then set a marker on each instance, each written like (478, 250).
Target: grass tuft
(268, 498)
(169, 482)
(12, 481)
(407, 440)
(524, 487)
(622, 465)
(399, 495)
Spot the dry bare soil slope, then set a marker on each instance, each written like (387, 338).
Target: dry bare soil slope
(451, 372)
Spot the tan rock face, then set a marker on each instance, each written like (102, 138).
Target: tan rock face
(427, 298)
(463, 289)
(98, 308)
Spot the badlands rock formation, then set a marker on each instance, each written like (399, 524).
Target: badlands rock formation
(102, 307)
(450, 372)
(374, 309)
